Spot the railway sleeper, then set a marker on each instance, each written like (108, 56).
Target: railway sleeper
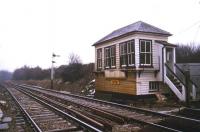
(69, 129)
(100, 112)
(97, 111)
(158, 117)
(106, 122)
(78, 113)
(124, 116)
(102, 127)
(48, 125)
(131, 117)
(75, 113)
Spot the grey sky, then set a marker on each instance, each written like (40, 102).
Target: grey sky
(30, 30)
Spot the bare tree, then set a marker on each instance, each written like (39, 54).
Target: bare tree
(188, 53)
(73, 71)
(74, 59)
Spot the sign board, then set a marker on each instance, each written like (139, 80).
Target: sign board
(114, 74)
(115, 82)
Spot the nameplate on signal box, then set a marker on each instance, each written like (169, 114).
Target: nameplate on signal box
(115, 82)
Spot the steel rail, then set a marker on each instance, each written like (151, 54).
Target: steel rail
(86, 125)
(37, 128)
(192, 109)
(123, 106)
(63, 106)
(96, 111)
(144, 122)
(156, 125)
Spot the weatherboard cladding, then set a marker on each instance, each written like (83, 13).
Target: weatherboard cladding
(135, 27)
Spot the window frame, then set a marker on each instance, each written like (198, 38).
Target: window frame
(127, 51)
(113, 56)
(99, 59)
(154, 86)
(110, 57)
(145, 53)
(123, 47)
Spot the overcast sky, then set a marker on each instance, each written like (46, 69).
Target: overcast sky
(30, 30)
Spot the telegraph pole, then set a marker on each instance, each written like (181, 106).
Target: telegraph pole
(52, 68)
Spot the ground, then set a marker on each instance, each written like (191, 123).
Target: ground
(75, 87)
(78, 86)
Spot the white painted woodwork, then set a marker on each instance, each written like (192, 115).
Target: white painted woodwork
(155, 48)
(180, 95)
(194, 92)
(147, 74)
(114, 74)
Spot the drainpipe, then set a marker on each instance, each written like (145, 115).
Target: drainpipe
(163, 63)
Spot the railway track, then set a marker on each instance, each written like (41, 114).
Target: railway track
(45, 117)
(113, 113)
(190, 112)
(19, 123)
(93, 116)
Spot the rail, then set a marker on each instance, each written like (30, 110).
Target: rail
(36, 127)
(154, 125)
(82, 123)
(123, 106)
(63, 106)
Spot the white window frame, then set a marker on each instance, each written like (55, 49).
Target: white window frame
(131, 53)
(125, 52)
(99, 58)
(146, 52)
(110, 57)
(154, 86)
(107, 57)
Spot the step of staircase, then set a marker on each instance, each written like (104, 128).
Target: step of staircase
(176, 83)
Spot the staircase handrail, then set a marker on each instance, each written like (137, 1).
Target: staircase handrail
(179, 69)
(184, 75)
(175, 75)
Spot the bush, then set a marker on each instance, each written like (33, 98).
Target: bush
(27, 73)
(72, 72)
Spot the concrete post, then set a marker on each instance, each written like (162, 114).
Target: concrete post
(194, 92)
(187, 90)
